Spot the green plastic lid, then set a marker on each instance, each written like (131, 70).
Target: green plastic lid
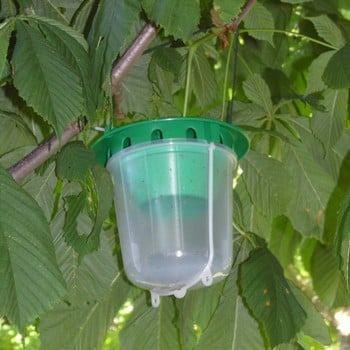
(117, 139)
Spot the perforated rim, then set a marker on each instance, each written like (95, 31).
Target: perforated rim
(210, 130)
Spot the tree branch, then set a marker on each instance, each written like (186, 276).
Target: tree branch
(46, 150)
(234, 25)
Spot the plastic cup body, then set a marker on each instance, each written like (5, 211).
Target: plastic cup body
(162, 206)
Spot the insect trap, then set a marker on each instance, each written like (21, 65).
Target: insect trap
(173, 199)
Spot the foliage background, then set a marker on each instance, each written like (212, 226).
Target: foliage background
(60, 262)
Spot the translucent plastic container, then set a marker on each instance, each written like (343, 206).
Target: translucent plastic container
(173, 202)
(173, 196)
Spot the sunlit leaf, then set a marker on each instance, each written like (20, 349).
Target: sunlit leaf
(228, 10)
(337, 226)
(328, 281)
(310, 196)
(41, 187)
(328, 126)
(178, 24)
(201, 304)
(259, 17)
(45, 80)
(157, 326)
(83, 324)
(136, 87)
(269, 297)
(73, 47)
(314, 78)
(315, 325)
(203, 78)
(328, 30)
(31, 282)
(284, 240)
(106, 44)
(235, 329)
(268, 183)
(258, 92)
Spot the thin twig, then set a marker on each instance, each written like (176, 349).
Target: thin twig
(43, 152)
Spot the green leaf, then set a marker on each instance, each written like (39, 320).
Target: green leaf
(315, 325)
(310, 196)
(259, 17)
(14, 133)
(230, 326)
(203, 78)
(137, 89)
(337, 225)
(276, 55)
(168, 59)
(201, 304)
(328, 126)
(258, 92)
(102, 195)
(6, 29)
(269, 298)
(228, 10)
(155, 324)
(92, 303)
(328, 280)
(31, 282)
(314, 78)
(284, 241)
(8, 8)
(74, 161)
(164, 70)
(180, 24)
(295, 1)
(46, 8)
(106, 44)
(344, 232)
(41, 188)
(83, 276)
(73, 48)
(337, 72)
(328, 30)
(268, 183)
(44, 80)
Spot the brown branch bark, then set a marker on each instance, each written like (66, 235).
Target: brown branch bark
(50, 147)
(234, 25)
(42, 153)
(123, 66)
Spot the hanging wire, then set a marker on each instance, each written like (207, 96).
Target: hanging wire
(234, 75)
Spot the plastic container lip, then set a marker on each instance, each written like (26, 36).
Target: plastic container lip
(210, 130)
(154, 145)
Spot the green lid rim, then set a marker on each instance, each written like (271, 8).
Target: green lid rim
(210, 130)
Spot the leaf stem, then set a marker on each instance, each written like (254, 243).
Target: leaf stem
(191, 52)
(289, 33)
(244, 234)
(228, 61)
